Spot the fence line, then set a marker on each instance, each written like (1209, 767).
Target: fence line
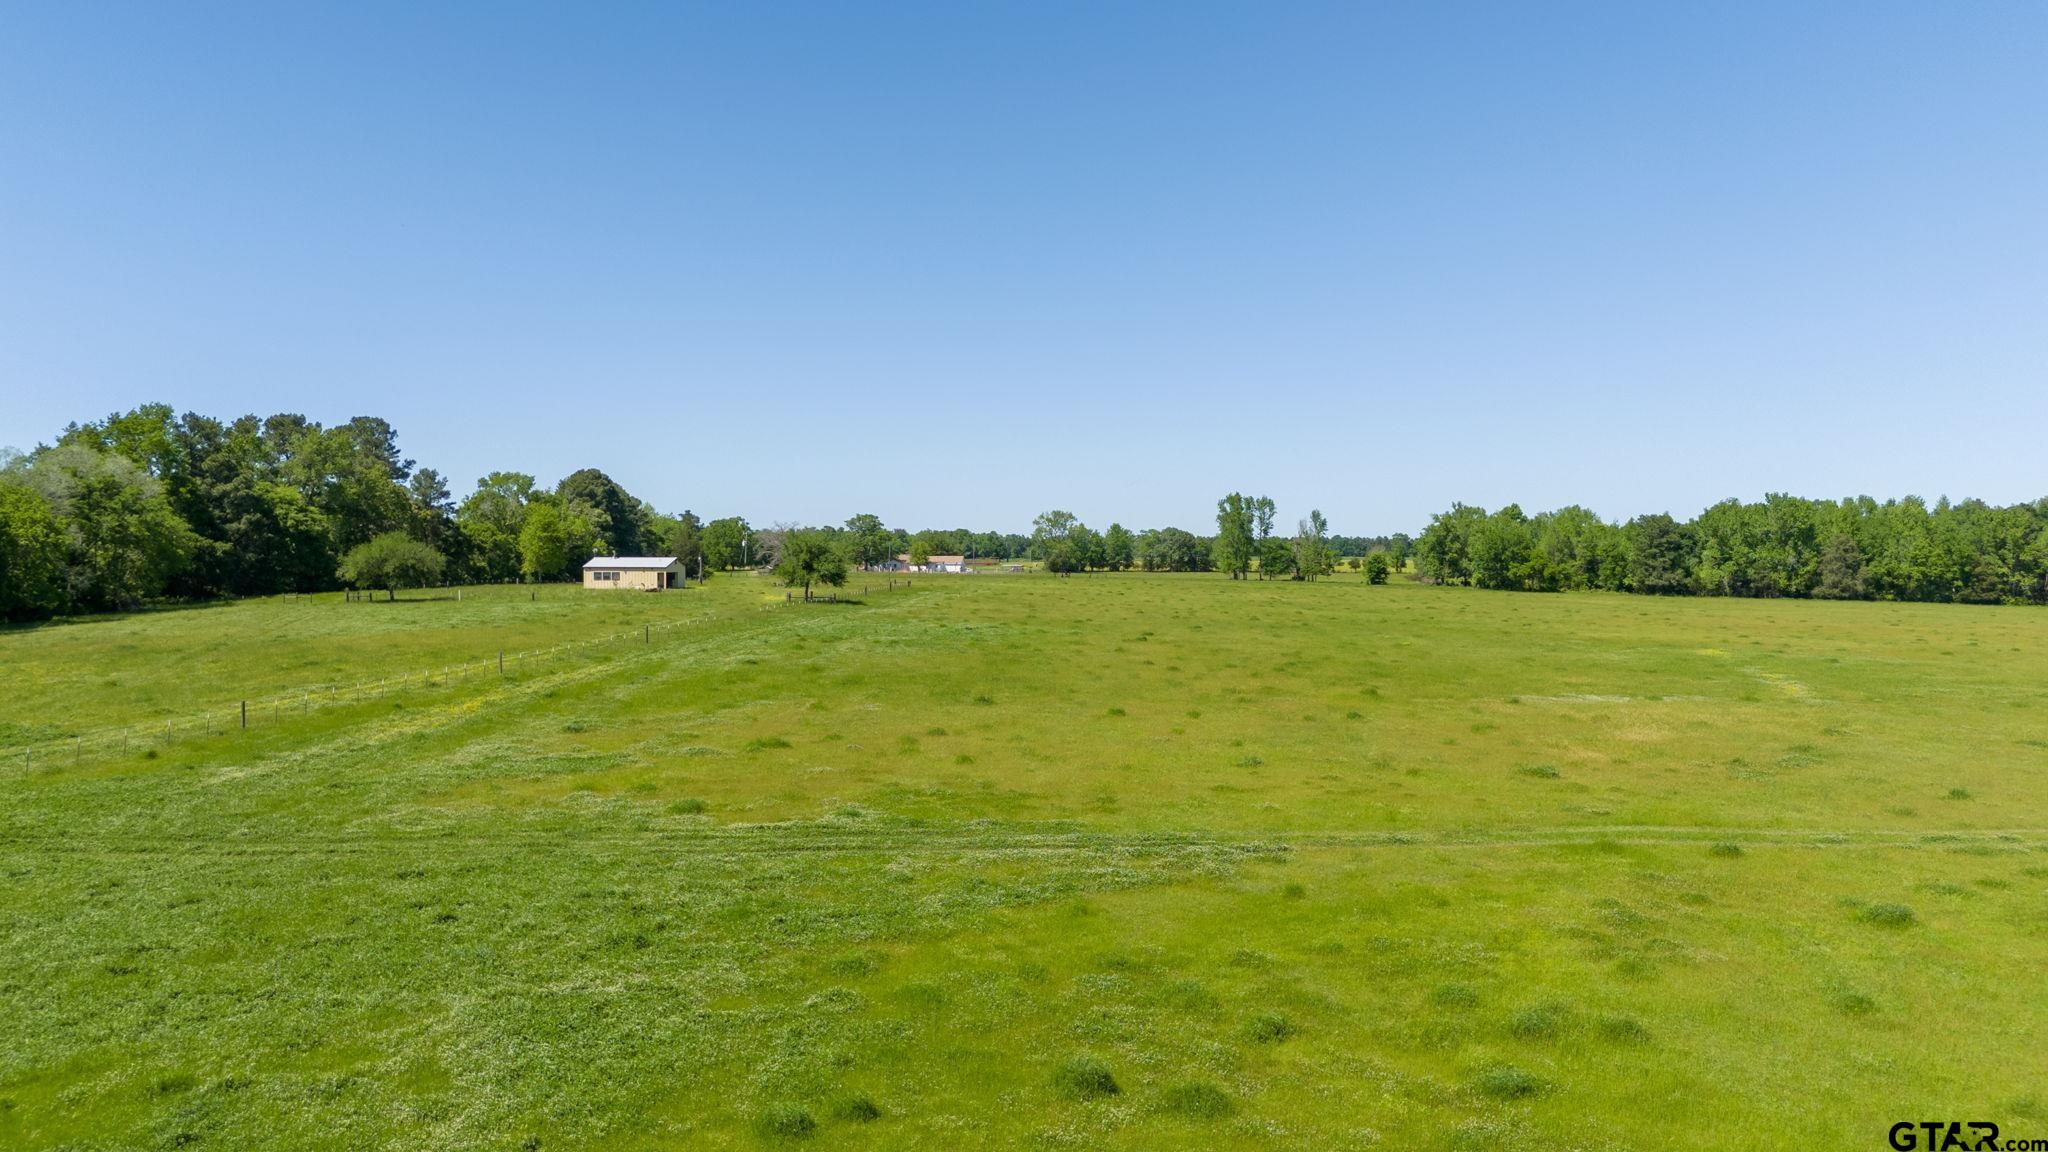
(277, 707)
(266, 711)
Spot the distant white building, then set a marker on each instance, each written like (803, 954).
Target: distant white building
(641, 573)
(931, 564)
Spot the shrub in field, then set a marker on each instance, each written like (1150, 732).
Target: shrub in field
(857, 1109)
(1624, 1030)
(1540, 1023)
(785, 1122)
(1455, 996)
(1199, 1099)
(1188, 995)
(1269, 1028)
(1507, 1082)
(1085, 1078)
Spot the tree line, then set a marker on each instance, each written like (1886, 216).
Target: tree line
(148, 504)
(1852, 549)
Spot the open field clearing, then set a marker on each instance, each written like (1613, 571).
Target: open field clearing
(1113, 862)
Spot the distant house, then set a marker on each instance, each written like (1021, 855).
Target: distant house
(931, 564)
(643, 573)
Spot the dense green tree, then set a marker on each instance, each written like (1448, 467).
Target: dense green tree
(806, 556)
(124, 542)
(868, 543)
(1312, 556)
(729, 543)
(1269, 551)
(1052, 540)
(1173, 550)
(1276, 558)
(1085, 544)
(1376, 566)
(391, 561)
(354, 475)
(491, 518)
(433, 508)
(686, 540)
(32, 554)
(1443, 553)
(1118, 548)
(1499, 549)
(1841, 570)
(1659, 556)
(556, 538)
(1398, 549)
(620, 519)
(1235, 545)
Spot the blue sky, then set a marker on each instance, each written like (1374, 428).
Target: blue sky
(958, 263)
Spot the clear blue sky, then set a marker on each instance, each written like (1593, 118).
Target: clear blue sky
(958, 263)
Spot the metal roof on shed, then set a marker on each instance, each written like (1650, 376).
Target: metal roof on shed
(629, 561)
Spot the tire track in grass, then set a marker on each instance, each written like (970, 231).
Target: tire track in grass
(804, 838)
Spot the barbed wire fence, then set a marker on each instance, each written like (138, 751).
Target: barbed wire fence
(54, 752)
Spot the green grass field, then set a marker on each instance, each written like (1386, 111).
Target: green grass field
(1113, 862)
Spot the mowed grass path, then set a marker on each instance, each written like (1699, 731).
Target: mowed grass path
(1123, 861)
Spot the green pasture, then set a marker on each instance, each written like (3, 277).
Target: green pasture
(1122, 861)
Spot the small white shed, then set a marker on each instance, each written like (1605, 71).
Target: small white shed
(644, 573)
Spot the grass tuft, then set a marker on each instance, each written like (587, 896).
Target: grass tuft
(857, 1109)
(1199, 1100)
(1507, 1082)
(785, 1122)
(1085, 1078)
(1543, 1022)
(1269, 1028)
(1455, 996)
(1888, 916)
(1624, 1030)
(1725, 850)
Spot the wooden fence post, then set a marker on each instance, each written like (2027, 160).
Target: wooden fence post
(245, 715)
